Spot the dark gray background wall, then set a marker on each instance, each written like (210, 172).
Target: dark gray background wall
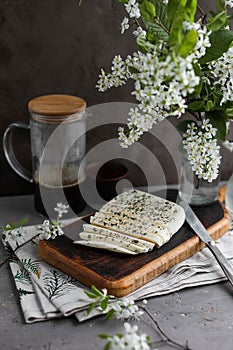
(57, 46)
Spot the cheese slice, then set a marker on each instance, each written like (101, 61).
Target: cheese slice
(153, 237)
(95, 237)
(107, 246)
(126, 238)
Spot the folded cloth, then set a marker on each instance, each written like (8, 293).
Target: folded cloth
(47, 293)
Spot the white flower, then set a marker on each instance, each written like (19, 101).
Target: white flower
(124, 25)
(228, 145)
(202, 150)
(52, 229)
(160, 88)
(130, 340)
(133, 9)
(222, 70)
(126, 308)
(139, 31)
(15, 234)
(229, 3)
(61, 208)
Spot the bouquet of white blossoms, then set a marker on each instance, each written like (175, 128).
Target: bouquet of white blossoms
(184, 64)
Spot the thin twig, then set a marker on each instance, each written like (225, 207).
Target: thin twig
(201, 10)
(167, 338)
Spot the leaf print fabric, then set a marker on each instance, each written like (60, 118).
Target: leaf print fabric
(46, 293)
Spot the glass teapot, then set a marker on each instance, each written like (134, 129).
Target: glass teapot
(58, 142)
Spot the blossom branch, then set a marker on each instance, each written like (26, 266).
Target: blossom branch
(167, 338)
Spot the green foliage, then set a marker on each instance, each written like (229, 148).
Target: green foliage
(101, 299)
(218, 121)
(220, 43)
(179, 11)
(187, 44)
(13, 225)
(147, 10)
(217, 21)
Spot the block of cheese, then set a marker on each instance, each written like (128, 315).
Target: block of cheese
(133, 222)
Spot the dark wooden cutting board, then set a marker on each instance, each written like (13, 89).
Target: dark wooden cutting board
(122, 274)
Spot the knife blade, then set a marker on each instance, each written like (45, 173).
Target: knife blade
(204, 235)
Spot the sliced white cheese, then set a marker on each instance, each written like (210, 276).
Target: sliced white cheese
(114, 241)
(120, 236)
(133, 221)
(106, 246)
(154, 236)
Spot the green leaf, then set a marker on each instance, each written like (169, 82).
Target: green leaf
(110, 314)
(182, 126)
(96, 291)
(158, 32)
(104, 303)
(103, 336)
(218, 21)
(190, 10)
(179, 11)
(196, 105)
(209, 105)
(221, 5)
(220, 43)
(188, 43)
(92, 306)
(229, 113)
(158, 26)
(108, 346)
(90, 295)
(218, 121)
(22, 222)
(144, 45)
(147, 10)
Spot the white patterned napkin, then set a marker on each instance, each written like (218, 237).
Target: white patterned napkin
(47, 293)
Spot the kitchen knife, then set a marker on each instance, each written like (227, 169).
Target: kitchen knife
(203, 234)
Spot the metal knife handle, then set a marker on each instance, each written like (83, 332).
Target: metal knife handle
(223, 262)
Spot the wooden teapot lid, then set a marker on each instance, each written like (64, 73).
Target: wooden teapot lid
(55, 108)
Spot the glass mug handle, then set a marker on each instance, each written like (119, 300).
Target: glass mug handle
(9, 152)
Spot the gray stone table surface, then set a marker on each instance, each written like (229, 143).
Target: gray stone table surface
(203, 315)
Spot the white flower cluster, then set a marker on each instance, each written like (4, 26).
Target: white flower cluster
(160, 88)
(130, 340)
(229, 3)
(118, 77)
(133, 11)
(222, 70)
(15, 234)
(203, 40)
(52, 229)
(125, 308)
(202, 150)
(49, 230)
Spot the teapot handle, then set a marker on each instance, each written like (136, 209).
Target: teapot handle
(9, 152)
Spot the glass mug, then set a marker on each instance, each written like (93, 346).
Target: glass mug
(58, 144)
